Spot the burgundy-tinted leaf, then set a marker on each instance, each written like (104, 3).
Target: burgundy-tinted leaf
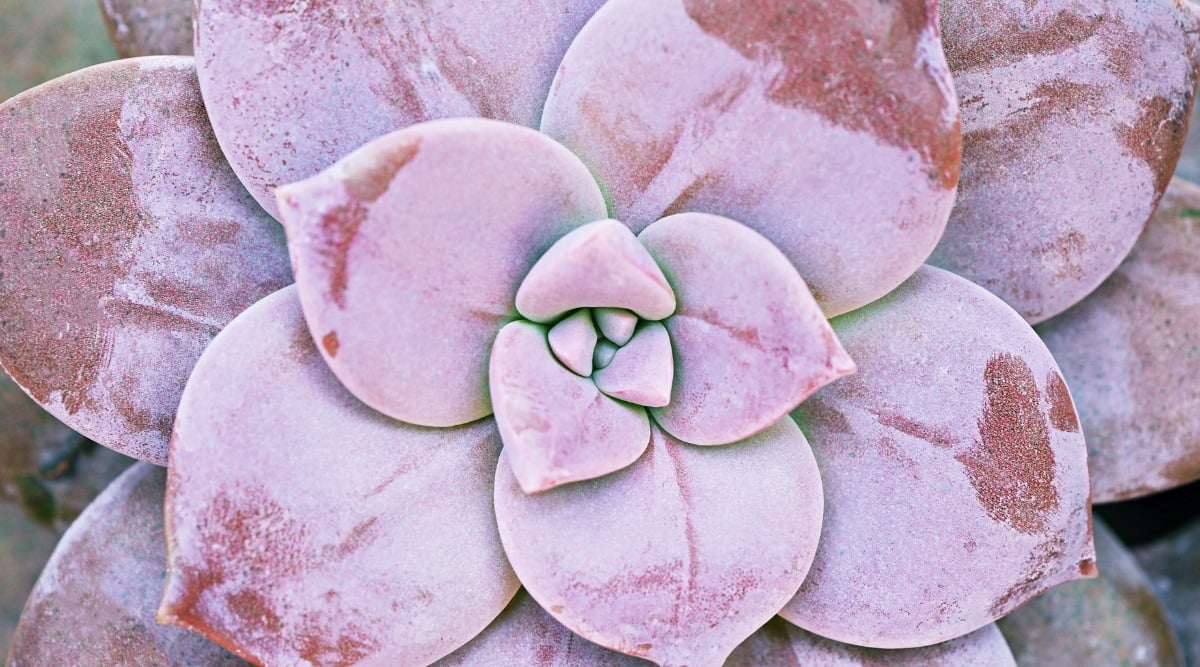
(1171, 565)
(304, 527)
(781, 644)
(677, 558)
(126, 245)
(94, 604)
(149, 27)
(828, 126)
(293, 86)
(409, 253)
(1074, 115)
(1131, 355)
(952, 492)
(1114, 620)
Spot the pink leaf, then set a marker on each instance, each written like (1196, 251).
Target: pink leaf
(293, 86)
(953, 494)
(573, 341)
(641, 371)
(677, 558)
(306, 528)
(149, 27)
(128, 244)
(750, 342)
(830, 127)
(409, 252)
(1073, 117)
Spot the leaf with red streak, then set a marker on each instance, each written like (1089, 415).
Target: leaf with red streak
(1131, 354)
(127, 244)
(410, 250)
(955, 489)
(94, 603)
(1074, 116)
(304, 527)
(827, 125)
(677, 558)
(293, 86)
(781, 644)
(149, 27)
(749, 340)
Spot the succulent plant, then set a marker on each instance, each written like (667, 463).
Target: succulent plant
(675, 248)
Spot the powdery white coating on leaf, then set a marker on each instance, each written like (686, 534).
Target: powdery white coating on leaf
(1131, 355)
(409, 253)
(642, 370)
(750, 341)
(556, 426)
(305, 528)
(293, 85)
(618, 324)
(94, 603)
(526, 636)
(126, 245)
(781, 644)
(1074, 115)
(677, 558)
(829, 126)
(573, 341)
(1114, 620)
(953, 494)
(598, 265)
(149, 27)
(1171, 564)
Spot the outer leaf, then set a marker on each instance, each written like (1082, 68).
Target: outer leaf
(956, 485)
(1074, 114)
(767, 112)
(94, 604)
(1131, 354)
(677, 558)
(750, 342)
(781, 644)
(409, 253)
(149, 27)
(305, 528)
(1114, 620)
(1171, 564)
(127, 244)
(293, 86)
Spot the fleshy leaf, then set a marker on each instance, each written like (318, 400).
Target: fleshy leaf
(954, 491)
(556, 426)
(750, 342)
(1131, 354)
(830, 127)
(642, 371)
(304, 527)
(1074, 116)
(149, 27)
(1114, 619)
(781, 644)
(682, 555)
(599, 265)
(604, 353)
(618, 324)
(94, 603)
(1171, 564)
(293, 86)
(128, 243)
(526, 635)
(573, 341)
(409, 252)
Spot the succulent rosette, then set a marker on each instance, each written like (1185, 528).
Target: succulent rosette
(562, 277)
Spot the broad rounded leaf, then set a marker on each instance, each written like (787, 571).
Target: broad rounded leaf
(556, 426)
(677, 558)
(127, 244)
(828, 126)
(526, 635)
(956, 486)
(304, 527)
(1074, 116)
(750, 342)
(781, 644)
(409, 253)
(94, 604)
(1114, 620)
(293, 86)
(149, 27)
(1171, 564)
(1131, 355)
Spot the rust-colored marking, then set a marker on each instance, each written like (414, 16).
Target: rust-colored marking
(331, 344)
(1156, 137)
(1062, 410)
(940, 437)
(338, 231)
(366, 179)
(1014, 40)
